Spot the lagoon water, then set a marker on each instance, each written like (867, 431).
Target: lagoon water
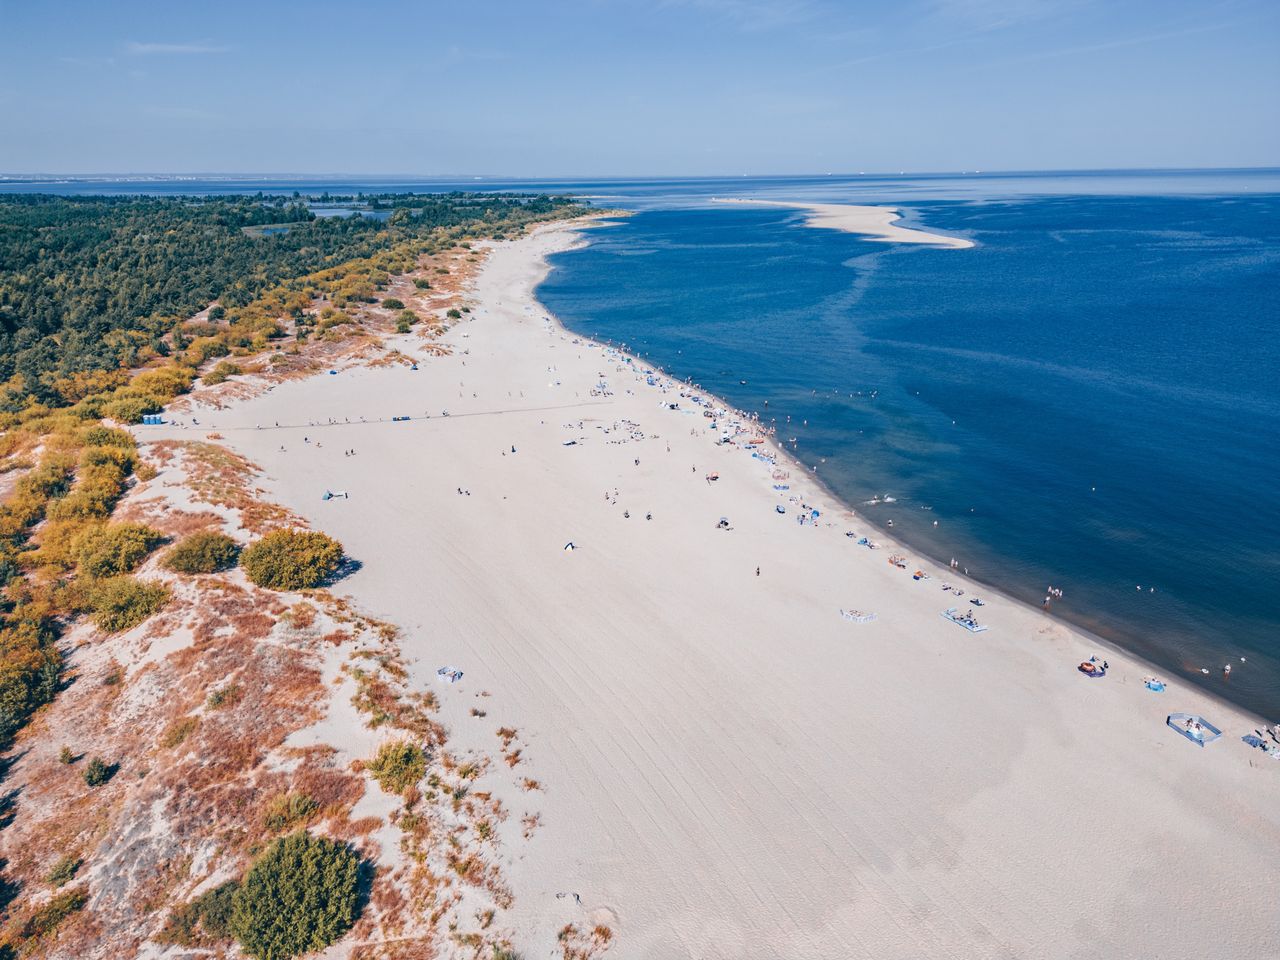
(1089, 398)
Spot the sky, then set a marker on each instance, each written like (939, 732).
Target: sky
(636, 87)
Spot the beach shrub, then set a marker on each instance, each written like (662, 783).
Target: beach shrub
(205, 552)
(30, 666)
(204, 921)
(391, 303)
(220, 373)
(63, 871)
(114, 549)
(398, 765)
(227, 696)
(292, 559)
(178, 732)
(454, 314)
(122, 603)
(99, 772)
(66, 756)
(288, 810)
(300, 895)
(421, 283)
(49, 917)
(130, 408)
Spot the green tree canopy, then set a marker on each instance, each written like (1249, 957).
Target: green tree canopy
(301, 895)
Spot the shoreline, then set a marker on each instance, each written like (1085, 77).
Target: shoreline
(728, 766)
(1116, 645)
(877, 223)
(1119, 642)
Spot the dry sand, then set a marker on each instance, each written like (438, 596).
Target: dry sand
(730, 768)
(878, 223)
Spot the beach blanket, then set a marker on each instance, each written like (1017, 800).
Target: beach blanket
(857, 616)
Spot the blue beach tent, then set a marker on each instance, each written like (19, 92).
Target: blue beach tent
(1196, 729)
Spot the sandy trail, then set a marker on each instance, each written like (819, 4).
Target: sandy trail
(730, 768)
(879, 223)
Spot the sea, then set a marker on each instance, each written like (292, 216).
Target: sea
(1088, 398)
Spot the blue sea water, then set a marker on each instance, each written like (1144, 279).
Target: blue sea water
(1089, 398)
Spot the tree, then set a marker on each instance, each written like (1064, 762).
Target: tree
(114, 549)
(398, 765)
(204, 552)
(122, 603)
(292, 560)
(301, 895)
(98, 772)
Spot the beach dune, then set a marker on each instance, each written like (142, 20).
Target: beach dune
(727, 766)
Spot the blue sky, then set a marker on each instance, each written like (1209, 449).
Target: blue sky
(626, 87)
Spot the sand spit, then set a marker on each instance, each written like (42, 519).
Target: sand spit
(878, 223)
(726, 765)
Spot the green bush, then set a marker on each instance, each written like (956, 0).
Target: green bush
(205, 552)
(454, 314)
(130, 409)
(49, 917)
(63, 871)
(121, 603)
(391, 303)
(99, 772)
(288, 810)
(398, 765)
(227, 696)
(422, 284)
(29, 672)
(402, 326)
(203, 921)
(292, 560)
(301, 895)
(114, 549)
(220, 373)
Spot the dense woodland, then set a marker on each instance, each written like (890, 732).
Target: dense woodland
(86, 282)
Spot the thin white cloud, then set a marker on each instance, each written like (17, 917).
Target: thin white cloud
(138, 49)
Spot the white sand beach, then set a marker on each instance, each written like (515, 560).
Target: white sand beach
(728, 767)
(878, 223)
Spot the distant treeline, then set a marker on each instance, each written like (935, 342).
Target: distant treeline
(81, 278)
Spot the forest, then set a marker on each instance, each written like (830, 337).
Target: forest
(88, 282)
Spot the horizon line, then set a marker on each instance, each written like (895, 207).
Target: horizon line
(266, 175)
